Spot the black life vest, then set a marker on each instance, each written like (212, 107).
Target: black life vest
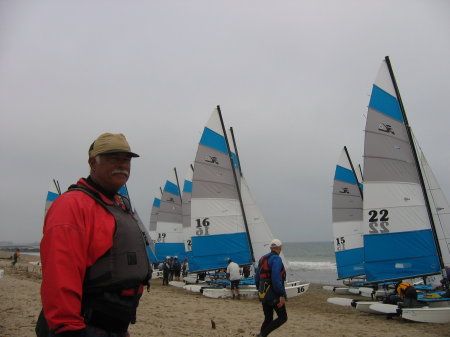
(125, 265)
(264, 269)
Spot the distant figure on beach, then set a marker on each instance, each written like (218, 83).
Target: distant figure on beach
(185, 267)
(94, 257)
(269, 280)
(166, 271)
(176, 268)
(234, 275)
(246, 271)
(16, 256)
(407, 294)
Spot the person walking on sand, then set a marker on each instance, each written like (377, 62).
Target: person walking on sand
(269, 280)
(234, 275)
(94, 258)
(16, 256)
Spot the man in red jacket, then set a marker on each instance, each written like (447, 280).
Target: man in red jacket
(93, 253)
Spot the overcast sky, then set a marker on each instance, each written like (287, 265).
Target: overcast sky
(293, 78)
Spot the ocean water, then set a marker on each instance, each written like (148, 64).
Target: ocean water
(311, 261)
(308, 261)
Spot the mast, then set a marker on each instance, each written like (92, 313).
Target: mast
(236, 182)
(56, 182)
(416, 159)
(353, 170)
(178, 183)
(235, 147)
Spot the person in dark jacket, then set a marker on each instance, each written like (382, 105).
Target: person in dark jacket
(269, 279)
(94, 257)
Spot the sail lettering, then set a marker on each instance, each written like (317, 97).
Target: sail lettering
(382, 226)
(161, 237)
(202, 226)
(340, 243)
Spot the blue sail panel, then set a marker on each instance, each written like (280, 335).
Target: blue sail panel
(211, 251)
(171, 188)
(187, 186)
(162, 250)
(344, 174)
(400, 255)
(214, 140)
(156, 202)
(385, 103)
(151, 255)
(350, 262)
(51, 196)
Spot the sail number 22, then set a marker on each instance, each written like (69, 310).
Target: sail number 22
(378, 221)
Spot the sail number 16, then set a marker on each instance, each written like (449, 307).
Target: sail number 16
(202, 226)
(379, 221)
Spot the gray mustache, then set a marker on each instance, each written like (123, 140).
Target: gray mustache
(121, 172)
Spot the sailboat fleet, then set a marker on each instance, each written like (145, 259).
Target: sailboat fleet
(392, 222)
(216, 216)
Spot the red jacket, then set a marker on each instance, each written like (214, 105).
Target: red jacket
(77, 231)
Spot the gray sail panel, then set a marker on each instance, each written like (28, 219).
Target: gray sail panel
(347, 214)
(387, 151)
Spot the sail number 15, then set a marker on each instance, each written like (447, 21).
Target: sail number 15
(379, 221)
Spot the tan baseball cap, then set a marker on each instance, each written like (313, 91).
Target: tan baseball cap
(110, 143)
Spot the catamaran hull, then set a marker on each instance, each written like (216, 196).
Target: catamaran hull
(427, 314)
(252, 292)
(364, 306)
(177, 284)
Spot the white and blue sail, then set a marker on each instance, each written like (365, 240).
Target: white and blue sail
(169, 240)
(154, 217)
(218, 229)
(186, 210)
(54, 191)
(398, 235)
(347, 217)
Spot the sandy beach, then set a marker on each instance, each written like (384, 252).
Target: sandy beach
(170, 311)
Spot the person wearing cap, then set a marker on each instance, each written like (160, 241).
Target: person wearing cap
(94, 258)
(269, 279)
(234, 275)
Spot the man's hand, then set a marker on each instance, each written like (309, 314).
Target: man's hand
(281, 303)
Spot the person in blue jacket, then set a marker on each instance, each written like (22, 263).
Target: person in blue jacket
(270, 277)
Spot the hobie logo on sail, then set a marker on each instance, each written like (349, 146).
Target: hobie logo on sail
(344, 190)
(212, 160)
(386, 128)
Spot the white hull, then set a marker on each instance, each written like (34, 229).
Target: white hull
(226, 293)
(427, 314)
(195, 288)
(157, 274)
(384, 308)
(252, 292)
(178, 284)
(364, 306)
(296, 290)
(341, 290)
